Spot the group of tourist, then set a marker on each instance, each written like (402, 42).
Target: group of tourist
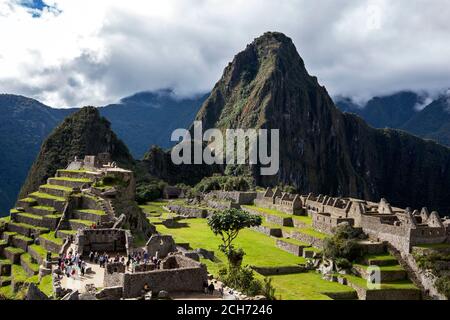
(72, 265)
(141, 257)
(133, 259)
(103, 259)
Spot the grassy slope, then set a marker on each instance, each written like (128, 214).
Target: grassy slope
(260, 250)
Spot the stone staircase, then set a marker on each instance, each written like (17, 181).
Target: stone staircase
(36, 226)
(296, 235)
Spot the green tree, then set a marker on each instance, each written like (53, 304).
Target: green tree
(343, 245)
(443, 286)
(228, 224)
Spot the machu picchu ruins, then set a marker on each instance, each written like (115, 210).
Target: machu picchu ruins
(137, 178)
(71, 225)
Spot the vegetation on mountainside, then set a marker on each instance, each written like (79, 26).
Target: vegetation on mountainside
(83, 133)
(443, 286)
(342, 247)
(314, 135)
(149, 190)
(433, 262)
(226, 183)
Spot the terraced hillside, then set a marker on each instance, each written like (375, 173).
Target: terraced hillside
(280, 248)
(41, 223)
(262, 253)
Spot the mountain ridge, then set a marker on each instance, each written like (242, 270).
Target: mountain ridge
(323, 150)
(25, 123)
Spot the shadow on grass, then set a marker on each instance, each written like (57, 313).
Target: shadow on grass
(176, 225)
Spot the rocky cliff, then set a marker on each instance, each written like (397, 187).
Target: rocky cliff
(433, 122)
(323, 150)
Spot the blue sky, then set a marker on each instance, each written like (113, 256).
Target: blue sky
(35, 4)
(94, 52)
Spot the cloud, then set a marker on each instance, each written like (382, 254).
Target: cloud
(96, 52)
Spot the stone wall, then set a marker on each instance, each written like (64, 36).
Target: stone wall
(427, 235)
(273, 271)
(110, 293)
(315, 242)
(326, 223)
(286, 222)
(49, 245)
(241, 198)
(286, 208)
(222, 205)
(161, 246)
(272, 232)
(386, 294)
(109, 240)
(20, 243)
(36, 255)
(426, 279)
(397, 236)
(291, 247)
(26, 267)
(114, 275)
(174, 280)
(188, 211)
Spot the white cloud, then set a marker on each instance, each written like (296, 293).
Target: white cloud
(95, 52)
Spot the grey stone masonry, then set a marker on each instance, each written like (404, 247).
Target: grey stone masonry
(295, 249)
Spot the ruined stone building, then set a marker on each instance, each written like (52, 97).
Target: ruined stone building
(402, 228)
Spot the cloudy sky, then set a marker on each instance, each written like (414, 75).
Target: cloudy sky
(79, 52)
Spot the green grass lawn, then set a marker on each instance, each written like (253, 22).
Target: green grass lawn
(46, 285)
(434, 246)
(18, 273)
(57, 187)
(51, 236)
(30, 215)
(87, 223)
(305, 286)
(41, 251)
(399, 285)
(5, 220)
(379, 257)
(45, 208)
(305, 219)
(311, 232)
(23, 238)
(260, 249)
(295, 242)
(96, 212)
(29, 226)
(72, 171)
(14, 250)
(4, 261)
(69, 232)
(154, 207)
(47, 196)
(28, 260)
(83, 180)
(384, 268)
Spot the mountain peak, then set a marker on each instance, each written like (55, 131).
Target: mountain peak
(243, 96)
(323, 150)
(84, 132)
